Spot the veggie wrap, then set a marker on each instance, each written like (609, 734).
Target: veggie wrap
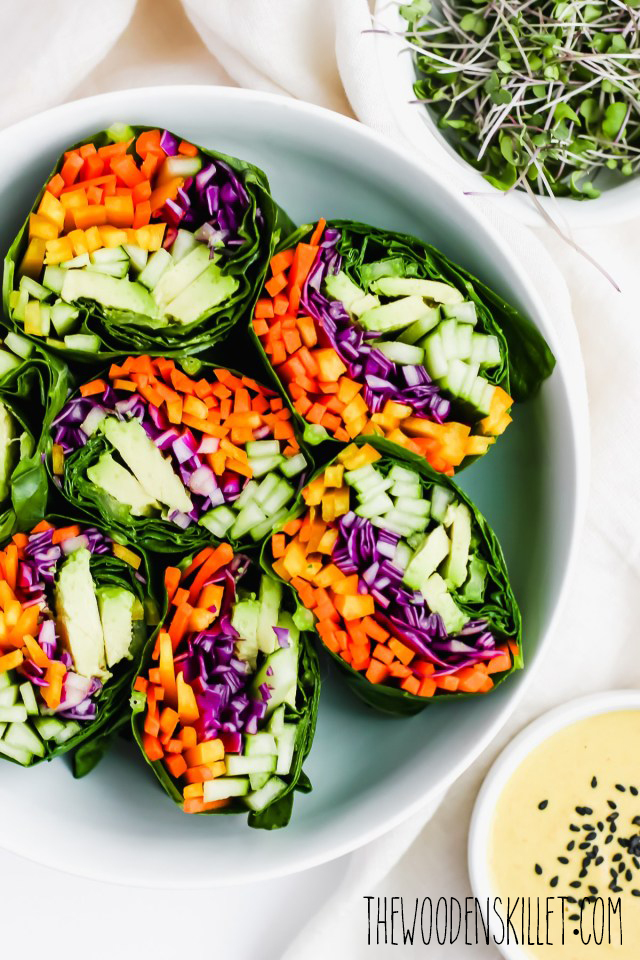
(224, 707)
(75, 616)
(140, 242)
(405, 578)
(375, 332)
(32, 389)
(167, 460)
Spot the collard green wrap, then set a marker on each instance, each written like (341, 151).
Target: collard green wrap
(350, 276)
(252, 223)
(187, 451)
(31, 391)
(491, 608)
(195, 657)
(91, 703)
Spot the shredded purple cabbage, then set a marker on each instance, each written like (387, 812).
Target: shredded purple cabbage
(362, 548)
(383, 379)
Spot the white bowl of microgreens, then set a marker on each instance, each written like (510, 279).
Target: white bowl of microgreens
(537, 103)
(554, 841)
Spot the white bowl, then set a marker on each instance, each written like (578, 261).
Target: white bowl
(615, 204)
(369, 771)
(506, 765)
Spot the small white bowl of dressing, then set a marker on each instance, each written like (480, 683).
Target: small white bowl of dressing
(558, 816)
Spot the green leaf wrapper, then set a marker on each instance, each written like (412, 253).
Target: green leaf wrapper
(125, 332)
(33, 393)
(526, 359)
(278, 813)
(154, 534)
(499, 606)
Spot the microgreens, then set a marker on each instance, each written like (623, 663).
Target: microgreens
(537, 95)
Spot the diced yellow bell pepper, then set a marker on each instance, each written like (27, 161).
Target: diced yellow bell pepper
(354, 456)
(51, 208)
(57, 251)
(476, 446)
(294, 559)
(372, 429)
(92, 239)
(57, 459)
(330, 365)
(79, 243)
(32, 262)
(400, 438)
(333, 475)
(32, 324)
(41, 227)
(355, 427)
(151, 236)
(356, 409)
(123, 553)
(501, 402)
(313, 492)
(353, 608)
(112, 237)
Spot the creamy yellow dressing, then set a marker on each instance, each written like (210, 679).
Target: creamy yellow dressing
(526, 841)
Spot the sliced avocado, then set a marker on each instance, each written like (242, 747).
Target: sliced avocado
(393, 267)
(154, 473)
(473, 590)
(116, 616)
(427, 558)
(179, 275)
(395, 315)
(8, 450)
(280, 670)
(116, 480)
(454, 569)
(270, 599)
(117, 293)
(77, 615)
(211, 288)
(244, 619)
(413, 286)
(341, 287)
(434, 590)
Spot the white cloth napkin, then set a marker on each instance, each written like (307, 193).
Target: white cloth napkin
(318, 50)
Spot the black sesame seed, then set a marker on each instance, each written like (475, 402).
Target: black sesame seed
(592, 835)
(635, 893)
(574, 916)
(616, 857)
(599, 861)
(538, 869)
(571, 845)
(588, 826)
(575, 884)
(621, 868)
(584, 846)
(636, 863)
(616, 889)
(600, 825)
(633, 791)
(609, 838)
(553, 882)
(594, 782)
(636, 821)
(571, 899)
(612, 828)
(593, 890)
(628, 876)
(582, 874)
(621, 788)
(573, 828)
(563, 859)
(612, 804)
(543, 805)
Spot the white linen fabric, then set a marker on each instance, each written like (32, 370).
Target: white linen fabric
(319, 50)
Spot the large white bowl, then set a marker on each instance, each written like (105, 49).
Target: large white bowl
(369, 771)
(615, 204)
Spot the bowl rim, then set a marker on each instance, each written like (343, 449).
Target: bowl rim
(571, 382)
(517, 750)
(615, 205)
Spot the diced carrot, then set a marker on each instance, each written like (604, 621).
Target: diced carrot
(377, 672)
(140, 685)
(427, 687)
(11, 660)
(317, 233)
(222, 555)
(187, 149)
(188, 736)
(401, 651)
(209, 751)
(167, 667)
(397, 669)
(65, 533)
(126, 170)
(176, 765)
(152, 747)
(146, 141)
(499, 663)
(71, 168)
(281, 262)
(171, 580)
(167, 191)
(264, 309)
(382, 653)
(56, 185)
(168, 720)
(187, 706)
(448, 683)
(422, 668)
(93, 387)
(411, 685)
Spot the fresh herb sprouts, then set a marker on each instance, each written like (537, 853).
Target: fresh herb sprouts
(538, 95)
